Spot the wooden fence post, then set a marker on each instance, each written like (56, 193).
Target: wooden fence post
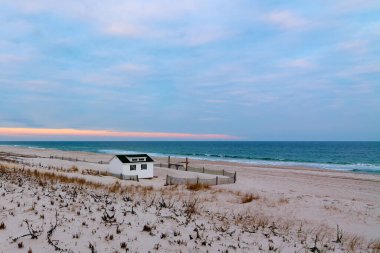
(138, 178)
(187, 163)
(216, 180)
(203, 171)
(167, 179)
(197, 180)
(168, 161)
(235, 177)
(223, 172)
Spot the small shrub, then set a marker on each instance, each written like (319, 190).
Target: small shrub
(247, 198)
(104, 173)
(354, 243)
(20, 245)
(2, 226)
(262, 221)
(109, 237)
(197, 187)
(283, 200)
(146, 189)
(374, 246)
(116, 187)
(147, 228)
(91, 247)
(30, 250)
(73, 169)
(190, 207)
(123, 245)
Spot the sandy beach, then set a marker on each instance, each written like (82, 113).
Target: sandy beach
(268, 209)
(189, 126)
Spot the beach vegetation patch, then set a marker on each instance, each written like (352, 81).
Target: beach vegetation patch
(197, 187)
(249, 197)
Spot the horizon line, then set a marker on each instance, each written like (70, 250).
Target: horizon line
(174, 140)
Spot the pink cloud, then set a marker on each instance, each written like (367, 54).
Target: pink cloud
(355, 46)
(9, 58)
(298, 63)
(285, 19)
(105, 133)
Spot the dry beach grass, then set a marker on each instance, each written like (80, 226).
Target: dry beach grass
(77, 209)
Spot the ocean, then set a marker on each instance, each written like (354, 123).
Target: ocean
(362, 157)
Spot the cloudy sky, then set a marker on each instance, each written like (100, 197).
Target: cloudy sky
(210, 69)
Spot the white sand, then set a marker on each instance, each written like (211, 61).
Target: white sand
(320, 199)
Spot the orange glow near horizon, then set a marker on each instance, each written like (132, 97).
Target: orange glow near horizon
(104, 133)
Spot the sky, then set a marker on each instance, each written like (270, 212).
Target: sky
(209, 69)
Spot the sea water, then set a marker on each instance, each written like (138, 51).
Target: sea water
(361, 157)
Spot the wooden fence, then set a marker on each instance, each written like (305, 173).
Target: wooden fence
(229, 177)
(72, 159)
(170, 180)
(126, 177)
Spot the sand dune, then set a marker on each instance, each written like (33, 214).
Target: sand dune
(48, 205)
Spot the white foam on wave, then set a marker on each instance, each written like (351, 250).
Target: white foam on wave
(359, 167)
(4, 145)
(122, 151)
(339, 167)
(35, 147)
(116, 151)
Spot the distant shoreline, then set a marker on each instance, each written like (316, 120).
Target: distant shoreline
(241, 163)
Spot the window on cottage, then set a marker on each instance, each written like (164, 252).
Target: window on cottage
(134, 159)
(141, 159)
(133, 167)
(144, 166)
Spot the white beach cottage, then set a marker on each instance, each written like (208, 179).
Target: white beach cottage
(132, 165)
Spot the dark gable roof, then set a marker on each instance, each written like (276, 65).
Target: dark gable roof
(124, 158)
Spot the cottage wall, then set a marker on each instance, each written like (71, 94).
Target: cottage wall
(117, 167)
(148, 173)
